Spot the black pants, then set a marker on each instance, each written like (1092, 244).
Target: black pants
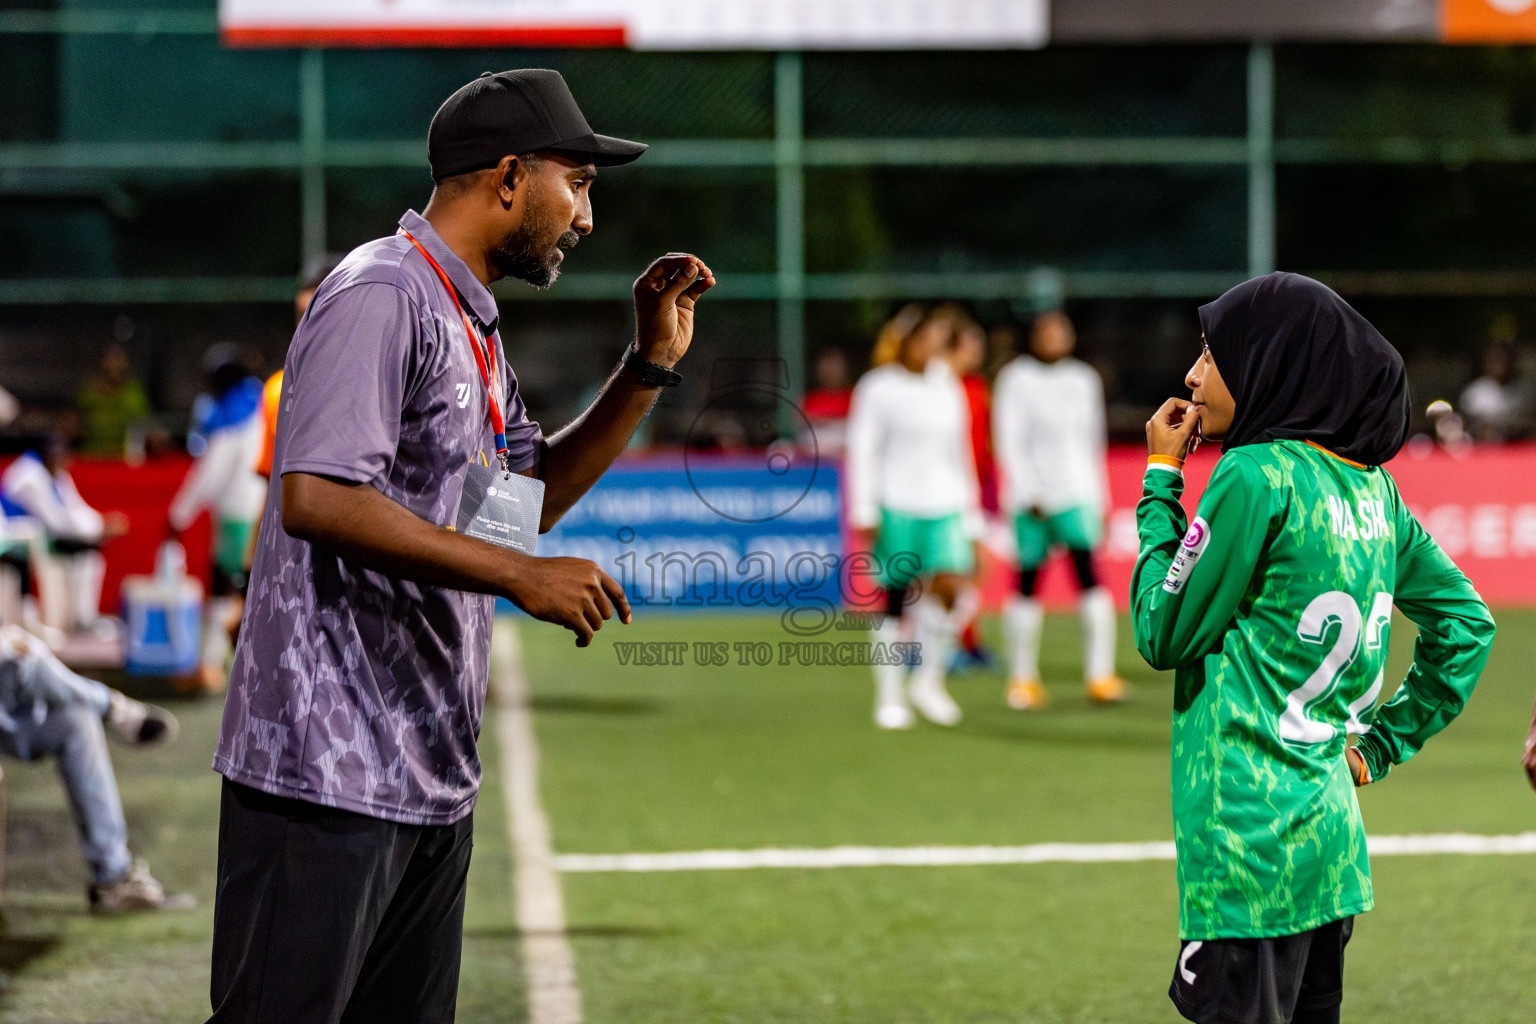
(328, 917)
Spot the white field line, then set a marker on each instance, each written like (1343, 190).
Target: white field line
(548, 962)
(947, 856)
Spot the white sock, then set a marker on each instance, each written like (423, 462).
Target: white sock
(1097, 608)
(937, 630)
(1022, 619)
(890, 680)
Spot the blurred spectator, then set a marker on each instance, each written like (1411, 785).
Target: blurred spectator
(1446, 429)
(826, 404)
(226, 438)
(48, 711)
(111, 404)
(64, 537)
(1497, 405)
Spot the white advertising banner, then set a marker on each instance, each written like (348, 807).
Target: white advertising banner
(640, 24)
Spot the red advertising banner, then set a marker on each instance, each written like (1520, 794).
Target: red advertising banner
(1480, 507)
(144, 494)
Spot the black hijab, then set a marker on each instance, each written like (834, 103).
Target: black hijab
(1303, 365)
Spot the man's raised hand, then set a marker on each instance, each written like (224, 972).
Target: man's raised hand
(664, 299)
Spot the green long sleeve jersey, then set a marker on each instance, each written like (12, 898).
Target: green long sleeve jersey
(1273, 607)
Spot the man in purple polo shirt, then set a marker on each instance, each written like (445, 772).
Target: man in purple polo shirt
(349, 740)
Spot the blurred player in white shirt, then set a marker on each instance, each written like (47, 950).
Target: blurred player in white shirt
(1049, 434)
(912, 496)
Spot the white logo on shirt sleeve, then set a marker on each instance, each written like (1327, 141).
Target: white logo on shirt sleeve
(1190, 550)
(463, 390)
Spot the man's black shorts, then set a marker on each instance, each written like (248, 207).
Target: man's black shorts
(1288, 979)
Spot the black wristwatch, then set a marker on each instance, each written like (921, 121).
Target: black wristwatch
(652, 375)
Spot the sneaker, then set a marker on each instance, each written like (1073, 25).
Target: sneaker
(894, 716)
(137, 890)
(140, 724)
(1027, 695)
(932, 701)
(1108, 690)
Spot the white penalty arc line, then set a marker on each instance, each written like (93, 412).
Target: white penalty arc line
(948, 856)
(548, 961)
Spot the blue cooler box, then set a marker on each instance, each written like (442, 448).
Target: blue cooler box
(164, 624)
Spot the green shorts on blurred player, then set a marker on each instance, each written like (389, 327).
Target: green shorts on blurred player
(1273, 607)
(1049, 435)
(910, 548)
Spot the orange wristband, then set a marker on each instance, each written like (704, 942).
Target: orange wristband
(1165, 460)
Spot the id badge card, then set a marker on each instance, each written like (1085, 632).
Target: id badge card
(501, 510)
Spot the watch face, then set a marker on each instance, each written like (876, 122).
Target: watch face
(753, 421)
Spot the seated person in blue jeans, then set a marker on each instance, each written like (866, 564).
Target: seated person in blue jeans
(47, 710)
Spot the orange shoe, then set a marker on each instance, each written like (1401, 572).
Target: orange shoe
(1108, 690)
(1027, 695)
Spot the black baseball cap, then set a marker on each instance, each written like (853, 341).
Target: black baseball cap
(512, 112)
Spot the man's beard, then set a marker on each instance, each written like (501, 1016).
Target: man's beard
(525, 255)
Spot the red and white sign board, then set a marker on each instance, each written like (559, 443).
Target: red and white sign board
(640, 24)
(1481, 508)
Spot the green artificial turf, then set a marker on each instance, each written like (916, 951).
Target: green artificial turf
(689, 757)
(684, 758)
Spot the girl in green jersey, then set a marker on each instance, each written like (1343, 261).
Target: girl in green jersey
(1273, 607)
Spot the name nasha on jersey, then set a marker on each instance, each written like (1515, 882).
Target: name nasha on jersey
(1365, 520)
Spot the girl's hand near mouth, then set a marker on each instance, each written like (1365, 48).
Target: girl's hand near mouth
(1172, 428)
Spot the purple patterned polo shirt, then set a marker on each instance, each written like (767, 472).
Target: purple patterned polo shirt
(351, 688)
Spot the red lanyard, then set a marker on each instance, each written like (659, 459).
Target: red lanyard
(485, 359)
